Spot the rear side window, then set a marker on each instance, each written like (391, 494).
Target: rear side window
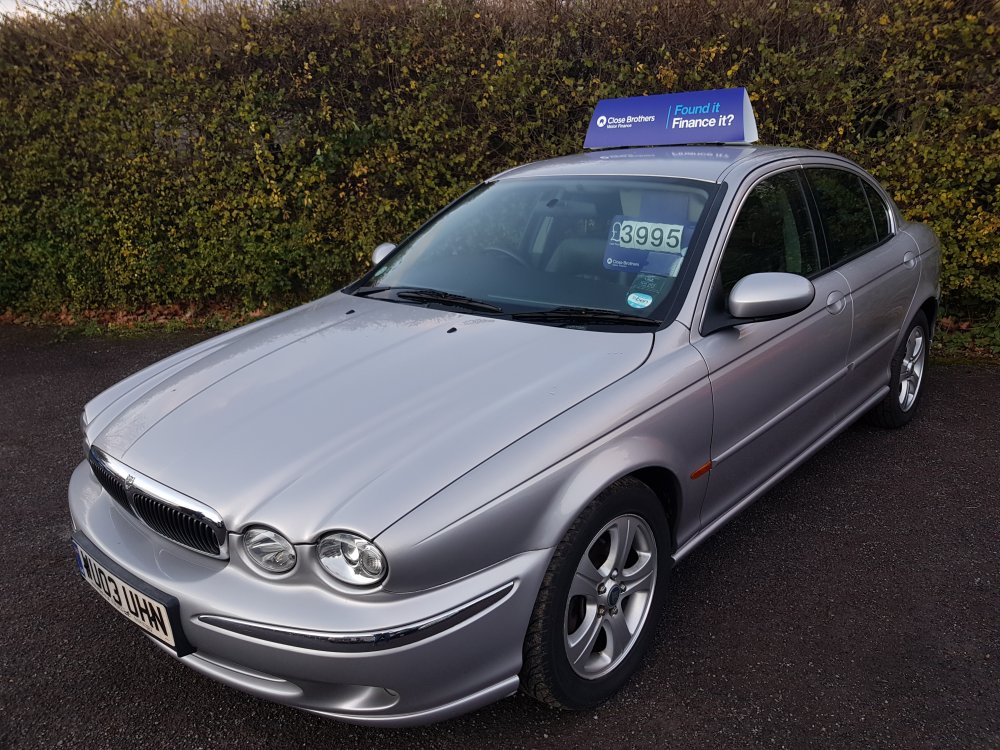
(844, 210)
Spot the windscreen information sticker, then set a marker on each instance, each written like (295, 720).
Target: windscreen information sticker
(648, 284)
(644, 247)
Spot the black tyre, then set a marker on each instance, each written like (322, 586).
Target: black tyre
(906, 377)
(601, 598)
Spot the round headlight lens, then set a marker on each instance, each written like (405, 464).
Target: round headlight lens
(269, 549)
(351, 558)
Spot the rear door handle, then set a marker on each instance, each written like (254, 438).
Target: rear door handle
(909, 259)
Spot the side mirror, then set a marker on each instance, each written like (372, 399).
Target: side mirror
(763, 296)
(379, 253)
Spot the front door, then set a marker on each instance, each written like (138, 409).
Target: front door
(777, 385)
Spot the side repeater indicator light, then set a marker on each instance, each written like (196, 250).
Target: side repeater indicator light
(702, 470)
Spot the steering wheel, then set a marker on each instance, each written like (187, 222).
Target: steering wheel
(507, 254)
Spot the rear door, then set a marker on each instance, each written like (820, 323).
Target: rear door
(880, 266)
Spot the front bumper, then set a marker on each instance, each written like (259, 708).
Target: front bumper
(369, 658)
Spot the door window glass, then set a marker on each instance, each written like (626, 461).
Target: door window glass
(773, 232)
(843, 208)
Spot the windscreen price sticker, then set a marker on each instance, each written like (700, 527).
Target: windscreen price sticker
(646, 235)
(644, 247)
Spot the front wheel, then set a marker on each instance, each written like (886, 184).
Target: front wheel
(600, 600)
(906, 377)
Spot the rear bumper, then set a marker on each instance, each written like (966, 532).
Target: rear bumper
(378, 658)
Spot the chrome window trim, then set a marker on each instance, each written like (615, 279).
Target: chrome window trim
(138, 482)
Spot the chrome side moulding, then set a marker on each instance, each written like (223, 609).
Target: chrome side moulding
(316, 640)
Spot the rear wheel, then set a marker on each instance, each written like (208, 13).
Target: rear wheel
(600, 600)
(907, 377)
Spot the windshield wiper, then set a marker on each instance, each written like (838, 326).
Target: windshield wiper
(364, 291)
(584, 315)
(447, 298)
(419, 294)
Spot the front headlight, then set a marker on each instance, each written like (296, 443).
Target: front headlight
(269, 549)
(352, 559)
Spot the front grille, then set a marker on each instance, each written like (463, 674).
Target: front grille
(177, 524)
(110, 482)
(170, 514)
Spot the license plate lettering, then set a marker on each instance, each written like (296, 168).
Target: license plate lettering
(147, 613)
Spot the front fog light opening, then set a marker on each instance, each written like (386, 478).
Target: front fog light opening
(269, 550)
(351, 558)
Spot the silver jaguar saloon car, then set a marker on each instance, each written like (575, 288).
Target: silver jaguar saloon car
(472, 470)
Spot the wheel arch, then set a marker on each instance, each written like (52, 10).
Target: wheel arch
(648, 459)
(930, 310)
(667, 488)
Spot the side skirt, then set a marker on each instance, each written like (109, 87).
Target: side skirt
(722, 520)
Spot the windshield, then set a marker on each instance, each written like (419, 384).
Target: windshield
(528, 245)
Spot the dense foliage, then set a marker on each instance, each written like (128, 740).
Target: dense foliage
(248, 153)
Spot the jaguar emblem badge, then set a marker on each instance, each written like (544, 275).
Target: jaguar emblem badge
(129, 481)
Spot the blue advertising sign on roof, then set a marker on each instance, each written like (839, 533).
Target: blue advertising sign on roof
(717, 116)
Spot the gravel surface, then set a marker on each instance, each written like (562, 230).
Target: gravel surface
(855, 606)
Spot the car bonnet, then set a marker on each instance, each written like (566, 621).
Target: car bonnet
(350, 412)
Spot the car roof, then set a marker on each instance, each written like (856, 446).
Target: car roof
(698, 162)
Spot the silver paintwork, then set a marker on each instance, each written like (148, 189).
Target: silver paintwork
(769, 295)
(381, 252)
(365, 459)
(466, 446)
(706, 163)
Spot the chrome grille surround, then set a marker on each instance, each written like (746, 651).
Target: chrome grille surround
(171, 514)
(114, 485)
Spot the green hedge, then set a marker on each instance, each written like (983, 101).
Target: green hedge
(240, 154)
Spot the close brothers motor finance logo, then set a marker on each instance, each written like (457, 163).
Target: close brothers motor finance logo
(623, 122)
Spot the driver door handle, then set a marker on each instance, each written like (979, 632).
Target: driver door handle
(836, 302)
